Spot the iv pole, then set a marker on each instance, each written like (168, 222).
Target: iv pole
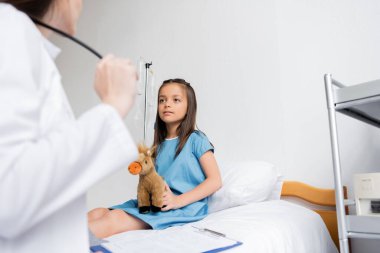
(147, 66)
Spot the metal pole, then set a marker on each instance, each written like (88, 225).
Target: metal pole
(339, 196)
(147, 65)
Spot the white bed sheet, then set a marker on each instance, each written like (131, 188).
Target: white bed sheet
(265, 227)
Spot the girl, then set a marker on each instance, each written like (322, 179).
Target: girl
(184, 158)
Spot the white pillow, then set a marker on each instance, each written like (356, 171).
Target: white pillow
(276, 192)
(245, 182)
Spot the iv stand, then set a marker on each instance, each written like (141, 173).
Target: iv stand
(147, 66)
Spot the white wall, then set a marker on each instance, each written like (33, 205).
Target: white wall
(257, 68)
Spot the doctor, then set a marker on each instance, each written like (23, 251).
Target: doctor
(48, 159)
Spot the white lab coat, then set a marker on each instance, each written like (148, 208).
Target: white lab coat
(47, 158)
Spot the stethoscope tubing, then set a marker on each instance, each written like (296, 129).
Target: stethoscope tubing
(67, 36)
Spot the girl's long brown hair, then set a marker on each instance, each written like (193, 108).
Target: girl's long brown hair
(187, 125)
(32, 8)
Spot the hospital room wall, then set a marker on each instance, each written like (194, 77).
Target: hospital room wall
(257, 68)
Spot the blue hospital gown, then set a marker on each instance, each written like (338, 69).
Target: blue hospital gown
(182, 174)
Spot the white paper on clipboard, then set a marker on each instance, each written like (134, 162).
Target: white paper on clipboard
(186, 239)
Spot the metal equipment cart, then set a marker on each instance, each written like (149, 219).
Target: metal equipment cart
(362, 102)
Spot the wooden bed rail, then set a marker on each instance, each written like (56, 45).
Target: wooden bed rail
(320, 197)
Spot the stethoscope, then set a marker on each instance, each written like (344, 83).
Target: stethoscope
(67, 36)
(147, 65)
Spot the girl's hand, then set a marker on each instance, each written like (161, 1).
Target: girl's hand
(170, 200)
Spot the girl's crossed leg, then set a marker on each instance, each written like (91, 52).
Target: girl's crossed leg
(104, 222)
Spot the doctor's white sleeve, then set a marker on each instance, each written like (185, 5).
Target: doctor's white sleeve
(39, 176)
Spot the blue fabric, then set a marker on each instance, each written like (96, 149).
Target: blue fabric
(182, 174)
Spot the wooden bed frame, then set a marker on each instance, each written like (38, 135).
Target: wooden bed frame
(320, 197)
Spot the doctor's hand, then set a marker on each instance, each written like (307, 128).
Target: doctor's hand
(115, 83)
(170, 200)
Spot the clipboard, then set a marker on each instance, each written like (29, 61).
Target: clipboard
(188, 239)
(215, 233)
(99, 248)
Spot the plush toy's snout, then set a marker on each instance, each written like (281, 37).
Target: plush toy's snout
(135, 168)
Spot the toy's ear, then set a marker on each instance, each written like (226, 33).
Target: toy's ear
(152, 150)
(142, 148)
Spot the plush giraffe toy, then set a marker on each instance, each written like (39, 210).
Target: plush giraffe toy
(151, 186)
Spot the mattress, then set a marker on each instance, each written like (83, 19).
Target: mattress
(263, 227)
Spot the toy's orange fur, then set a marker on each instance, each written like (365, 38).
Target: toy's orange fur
(151, 186)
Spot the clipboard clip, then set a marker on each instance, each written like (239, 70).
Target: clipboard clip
(210, 231)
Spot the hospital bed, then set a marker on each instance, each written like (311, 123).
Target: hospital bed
(261, 225)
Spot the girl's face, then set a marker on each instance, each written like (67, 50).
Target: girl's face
(172, 103)
(64, 15)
